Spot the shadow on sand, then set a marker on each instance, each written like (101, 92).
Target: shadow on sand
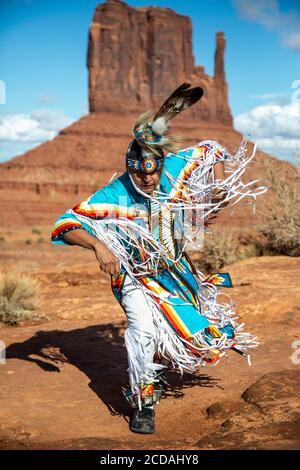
(99, 352)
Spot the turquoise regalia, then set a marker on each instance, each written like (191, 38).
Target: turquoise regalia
(150, 235)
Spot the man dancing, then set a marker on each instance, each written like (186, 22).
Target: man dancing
(140, 226)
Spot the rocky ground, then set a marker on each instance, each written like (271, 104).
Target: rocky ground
(60, 386)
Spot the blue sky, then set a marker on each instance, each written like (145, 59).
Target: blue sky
(43, 46)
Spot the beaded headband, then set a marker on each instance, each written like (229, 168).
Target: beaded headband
(147, 164)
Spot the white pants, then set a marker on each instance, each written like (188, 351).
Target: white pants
(140, 336)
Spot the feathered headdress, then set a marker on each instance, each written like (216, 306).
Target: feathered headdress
(153, 133)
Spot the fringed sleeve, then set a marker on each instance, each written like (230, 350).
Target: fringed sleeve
(64, 224)
(99, 206)
(192, 185)
(110, 216)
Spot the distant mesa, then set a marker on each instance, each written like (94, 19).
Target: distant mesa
(135, 58)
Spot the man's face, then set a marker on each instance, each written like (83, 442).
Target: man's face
(146, 182)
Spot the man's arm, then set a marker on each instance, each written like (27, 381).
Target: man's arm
(71, 229)
(219, 174)
(107, 260)
(219, 171)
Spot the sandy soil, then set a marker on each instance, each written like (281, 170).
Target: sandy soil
(61, 384)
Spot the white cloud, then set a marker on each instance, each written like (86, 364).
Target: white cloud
(37, 126)
(47, 99)
(268, 13)
(275, 128)
(273, 98)
(270, 96)
(292, 41)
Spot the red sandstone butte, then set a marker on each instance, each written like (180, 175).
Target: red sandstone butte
(136, 57)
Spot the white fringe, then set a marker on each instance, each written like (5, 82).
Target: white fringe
(140, 370)
(125, 238)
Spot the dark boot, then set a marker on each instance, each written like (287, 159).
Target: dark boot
(143, 421)
(162, 383)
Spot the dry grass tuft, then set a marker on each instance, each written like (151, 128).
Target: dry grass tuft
(19, 298)
(279, 223)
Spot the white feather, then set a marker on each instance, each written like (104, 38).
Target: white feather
(160, 125)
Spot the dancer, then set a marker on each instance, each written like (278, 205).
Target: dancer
(140, 226)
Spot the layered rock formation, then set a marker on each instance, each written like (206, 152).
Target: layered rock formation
(135, 60)
(136, 57)
(266, 417)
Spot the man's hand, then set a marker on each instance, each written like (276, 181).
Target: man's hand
(108, 262)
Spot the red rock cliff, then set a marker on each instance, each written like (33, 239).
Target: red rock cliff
(137, 56)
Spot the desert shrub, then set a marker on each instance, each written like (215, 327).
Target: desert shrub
(220, 248)
(37, 231)
(28, 241)
(19, 298)
(279, 223)
(250, 251)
